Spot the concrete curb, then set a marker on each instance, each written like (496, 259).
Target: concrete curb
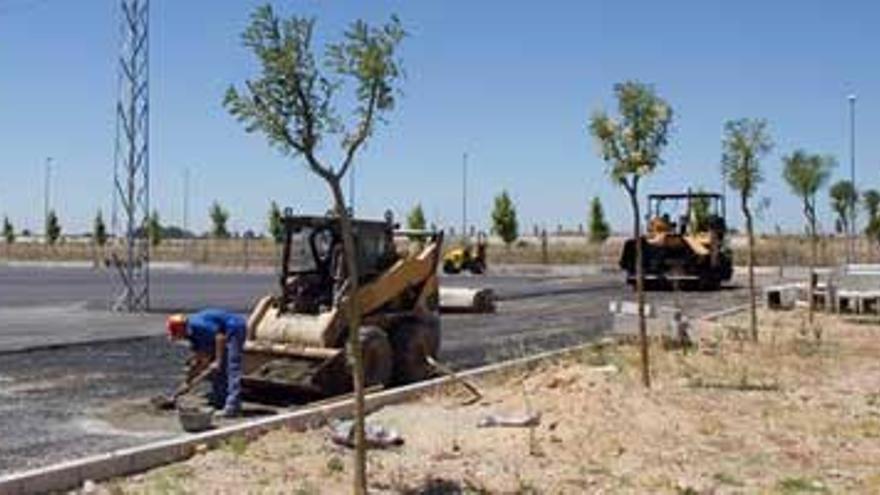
(72, 474)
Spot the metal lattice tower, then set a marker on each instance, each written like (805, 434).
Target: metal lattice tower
(131, 254)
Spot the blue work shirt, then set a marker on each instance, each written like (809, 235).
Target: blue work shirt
(203, 327)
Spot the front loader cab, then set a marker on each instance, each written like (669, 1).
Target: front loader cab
(684, 244)
(467, 257)
(313, 271)
(686, 214)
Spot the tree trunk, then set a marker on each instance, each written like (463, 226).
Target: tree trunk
(814, 244)
(753, 309)
(640, 286)
(354, 344)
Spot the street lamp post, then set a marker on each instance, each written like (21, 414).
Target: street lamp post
(851, 252)
(464, 169)
(46, 191)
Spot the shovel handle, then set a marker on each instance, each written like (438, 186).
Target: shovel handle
(189, 384)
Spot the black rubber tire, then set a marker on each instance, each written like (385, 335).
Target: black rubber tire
(709, 282)
(413, 341)
(378, 356)
(450, 268)
(478, 268)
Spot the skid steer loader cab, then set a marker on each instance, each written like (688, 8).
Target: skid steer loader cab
(313, 267)
(685, 245)
(296, 337)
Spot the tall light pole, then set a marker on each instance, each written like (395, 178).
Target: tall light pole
(185, 200)
(852, 177)
(47, 184)
(464, 196)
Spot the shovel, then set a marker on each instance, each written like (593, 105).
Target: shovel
(164, 402)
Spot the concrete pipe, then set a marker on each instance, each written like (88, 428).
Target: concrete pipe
(466, 300)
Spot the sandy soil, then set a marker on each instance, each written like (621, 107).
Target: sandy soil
(786, 415)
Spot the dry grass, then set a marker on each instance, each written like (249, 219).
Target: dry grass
(570, 249)
(786, 415)
(236, 253)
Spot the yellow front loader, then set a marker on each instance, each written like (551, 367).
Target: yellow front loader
(685, 245)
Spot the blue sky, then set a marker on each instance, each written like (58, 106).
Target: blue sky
(511, 83)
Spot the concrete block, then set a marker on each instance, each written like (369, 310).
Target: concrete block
(848, 302)
(614, 306)
(871, 303)
(781, 296)
(630, 308)
(862, 269)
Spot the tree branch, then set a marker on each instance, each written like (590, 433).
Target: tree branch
(363, 130)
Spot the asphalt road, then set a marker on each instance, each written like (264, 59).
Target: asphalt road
(73, 400)
(22, 287)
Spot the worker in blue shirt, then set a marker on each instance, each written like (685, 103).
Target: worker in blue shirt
(216, 338)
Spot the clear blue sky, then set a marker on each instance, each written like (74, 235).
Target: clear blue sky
(511, 83)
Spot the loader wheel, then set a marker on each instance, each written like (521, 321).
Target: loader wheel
(376, 349)
(413, 342)
(709, 282)
(450, 268)
(478, 268)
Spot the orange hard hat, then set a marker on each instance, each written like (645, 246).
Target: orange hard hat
(176, 326)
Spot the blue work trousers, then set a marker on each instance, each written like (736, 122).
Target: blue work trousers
(226, 383)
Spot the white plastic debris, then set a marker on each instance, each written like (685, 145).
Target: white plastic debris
(526, 420)
(378, 436)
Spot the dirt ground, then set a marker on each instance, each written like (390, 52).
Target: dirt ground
(787, 415)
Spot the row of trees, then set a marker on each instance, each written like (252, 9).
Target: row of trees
(52, 229)
(506, 225)
(155, 231)
(504, 220)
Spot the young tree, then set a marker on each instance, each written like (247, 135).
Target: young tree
(219, 217)
(806, 174)
(99, 230)
(871, 200)
(631, 145)
(504, 223)
(843, 200)
(154, 229)
(745, 142)
(276, 228)
(415, 220)
(599, 229)
(8, 231)
(293, 101)
(53, 228)
(699, 215)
